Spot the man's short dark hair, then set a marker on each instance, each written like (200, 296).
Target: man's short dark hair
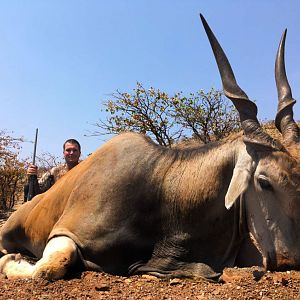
(72, 141)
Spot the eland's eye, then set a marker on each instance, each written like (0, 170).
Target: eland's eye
(264, 183)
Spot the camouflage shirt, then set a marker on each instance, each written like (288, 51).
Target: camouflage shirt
(51, 176)
(46, 181)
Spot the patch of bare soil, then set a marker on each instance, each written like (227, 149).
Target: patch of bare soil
(248, 283)
(242, 284)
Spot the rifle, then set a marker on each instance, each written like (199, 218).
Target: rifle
(32, 178)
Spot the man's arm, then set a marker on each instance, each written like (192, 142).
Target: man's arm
(46, 181)
(37, 186)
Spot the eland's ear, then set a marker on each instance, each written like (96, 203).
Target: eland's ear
(240, 179)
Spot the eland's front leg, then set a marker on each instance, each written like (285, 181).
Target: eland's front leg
(59, 255)
(15, 266)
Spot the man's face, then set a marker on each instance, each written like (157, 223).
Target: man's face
(71, 153)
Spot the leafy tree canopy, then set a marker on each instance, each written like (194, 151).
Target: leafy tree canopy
(169, 119)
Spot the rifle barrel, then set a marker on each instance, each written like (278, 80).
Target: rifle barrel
(30, 193)
(35, 143)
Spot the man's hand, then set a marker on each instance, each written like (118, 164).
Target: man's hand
(32, 170)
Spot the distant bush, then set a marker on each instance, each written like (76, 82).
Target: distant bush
(12, 170)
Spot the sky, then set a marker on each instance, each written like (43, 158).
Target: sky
(60, 59)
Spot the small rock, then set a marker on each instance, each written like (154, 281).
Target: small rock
(175, 281)
(216, 292)
(280, 280)
(234, 275)
(102, 288)
(149, 277)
